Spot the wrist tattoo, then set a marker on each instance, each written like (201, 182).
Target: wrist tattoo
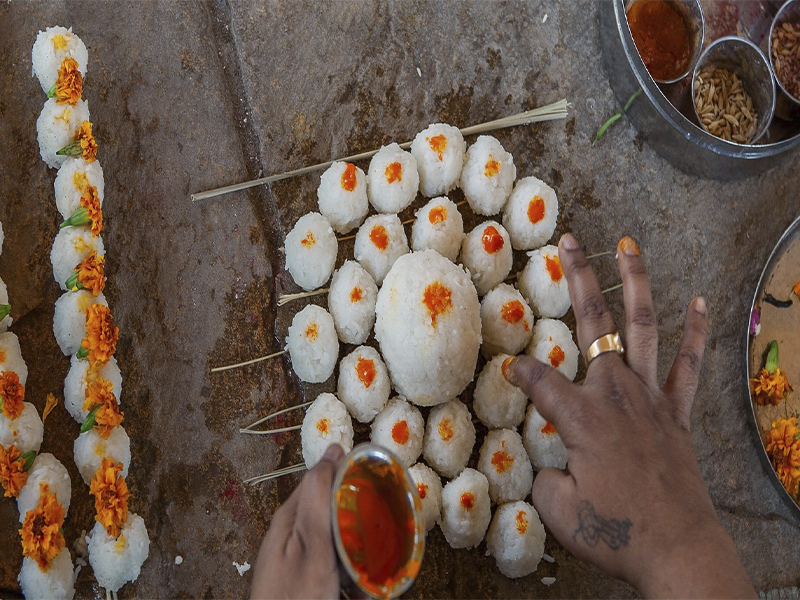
(593, 528)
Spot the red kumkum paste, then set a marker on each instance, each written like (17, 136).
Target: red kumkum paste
(400, 432)
(549, 429)
(492, 240)
(502, 461)
(536, 209)
(379, 237)
(512, 312)
(365, 368)
(437, 215)
(322, 426)
(553, 265)
(522, 522)
(349, 178)
(437, 300)
(438, 144)
(445, 430)
(394, 172)
(492, 168)
(556, 356)
(356, 294)
(468, 500)
(422, 490)
(661, 37)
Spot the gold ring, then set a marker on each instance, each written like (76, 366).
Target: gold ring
(608, 343)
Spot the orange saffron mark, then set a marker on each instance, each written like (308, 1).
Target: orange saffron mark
(365, 369)
(393, 172)
(69, 85)
(536, 209)
(522, 522)
(437, 215)
(59, 42)
(110, 496)
(379, 237)
(101, 335)
(446, 430)
(42, 539)
(12, 394)
(553, 265)
(400, 432)
(627, 245)
(549, 428)
(422, 490)
(468, 500)
(512, 312)
(556, 356)
(349, 177)
(356, 294)
(311, 332)
(322, 426)
(502, 461)
(80, 181)
(770, 389)
(309, 240)
(492, 167)
(12, 476)
(493, 242)
(437, 299)
(2, 356)
(438, 144)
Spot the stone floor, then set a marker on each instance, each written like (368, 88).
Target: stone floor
(187, 96)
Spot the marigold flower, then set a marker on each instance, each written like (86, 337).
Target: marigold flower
(12, 395)
(91, 202)
(769, 389)
(42, 539)
(783, 448)
(110, 496)
(99, 393)
(89, 275)
(12, 471)
(101, 338)
(69, 85)
(83, 144)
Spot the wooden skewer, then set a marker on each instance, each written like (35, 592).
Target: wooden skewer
(271, 431)
(613, 288)
(275, 474)
(599, 254)
(275, 414)
(284, 298)
(248, 362)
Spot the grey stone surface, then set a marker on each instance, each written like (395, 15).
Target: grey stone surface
(188, 96)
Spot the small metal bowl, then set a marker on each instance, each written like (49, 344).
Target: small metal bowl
(787, 106)
(752, 67)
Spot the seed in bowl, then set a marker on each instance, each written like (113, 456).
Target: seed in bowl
(723, 106)
(786, 56)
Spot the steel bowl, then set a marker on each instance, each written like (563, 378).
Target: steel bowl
(788, 107)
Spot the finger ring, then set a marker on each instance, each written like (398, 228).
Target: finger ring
(608, 343)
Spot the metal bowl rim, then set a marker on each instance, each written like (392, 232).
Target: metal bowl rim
(783, 7)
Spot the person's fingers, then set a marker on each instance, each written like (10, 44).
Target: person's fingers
(641, 329)
(552, 393)
(314, 495)
(683, 378)
(556, 500)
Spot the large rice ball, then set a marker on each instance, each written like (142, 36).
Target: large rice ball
(51, 47)
(506, 465)
(351, 302)
(56, 128)
(116, 561)
(429, 488)
(25, 432)
(342, 195)
(49, 471)
(69, 319)
(73, 181)
(80, 375)
(380, 241)
(488, 176)
(466, 509)
(392, 179)
(90, 449)
(400, 428)
(497, 403)
(516, 539)
(56, 583)
(311, 249)
(428, 327)
(486, 253)
(439, 150)
(363, 384)
(5, 322)
(542, 442)
(552, 344)
(11, 356)
(544, 284)
(449, 438)
(506, 321)
(312, 344)
(326, 422)
(531, 213)
(438, 226)
(70, 248)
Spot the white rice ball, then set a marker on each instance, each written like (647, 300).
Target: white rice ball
(486, 253)
(506, 321)
(69, 319)
(429, 328)
(552, 344)
(326, 422)
(438, 226)
(380, 241)
(25, 432)
(466, 509)
(439, 150)
(342, 195)
(363, 384)
(2, 238)
(79, 376)
(51, 47)
(429, 488)
(400, 428)
(506, 465)
(116, 561)
(542, 442)
(70, 248)
(11, 356)
(6, 321)
(90, 449)
(531, 214)
(449, 438)
(56, 128)
(48, 470)
(56, 583)
(312, 344)
(351, 302)
(497, 403)
(392, 179)
(488, 176)
(516, 539)
(544, 284)
(73, 181)
(311, 249)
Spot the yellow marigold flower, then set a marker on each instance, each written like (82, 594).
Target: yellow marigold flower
(99, 393)
(42, 539)
(12, 475)
(783, 448)
(69, 85)
(110, 496)
(87, 142)
(101, 338)
(769, 389)
(90, 274)
(12, 395)
(91, 202)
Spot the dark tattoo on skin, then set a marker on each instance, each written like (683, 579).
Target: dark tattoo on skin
(593, 528)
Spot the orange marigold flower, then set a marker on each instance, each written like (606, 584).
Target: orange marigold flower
(88, 143)
(796, 289)
(783, 448)
(99, 392)
(91, 202)
(110, 496)
(101, 335)
(769, 389)
(12, 395)
(69, 85)
(42, 539)
(91, 273)
(12, 476)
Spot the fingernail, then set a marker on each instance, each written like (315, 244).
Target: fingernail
(507, 369)
(700, 305)
(568, 242)
(628, 246)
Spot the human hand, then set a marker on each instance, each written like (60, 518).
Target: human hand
(632, 501)
(297, 557)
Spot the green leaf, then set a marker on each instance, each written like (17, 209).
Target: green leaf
(631, 100)
(4, 310)
(772, 357)
(78, 218)
(51, 93)
(71, 149)
(72, 282)
(605, 126)
(88, 422)
(81, 353)
(29, 457)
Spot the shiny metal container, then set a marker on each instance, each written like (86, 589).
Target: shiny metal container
(788, 107)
